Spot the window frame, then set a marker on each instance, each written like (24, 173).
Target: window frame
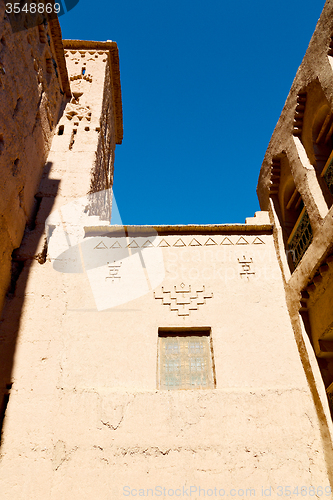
(164, 332)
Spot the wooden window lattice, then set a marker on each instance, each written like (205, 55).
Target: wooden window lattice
(328, 175)
(185, 362)
(300, 237)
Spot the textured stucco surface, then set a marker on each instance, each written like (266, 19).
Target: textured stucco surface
(85, 417)
(80, 161)
(294, 161)
(31, 98)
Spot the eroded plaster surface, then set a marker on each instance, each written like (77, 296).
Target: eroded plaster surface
(80, 362)
(86, 416)
(32, 91)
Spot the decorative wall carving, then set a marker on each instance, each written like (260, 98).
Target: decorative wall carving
(246, 266)
(179, 243)
(258, 241)
(113, 270)
(210, 241)
(75, 110)
(195, 243)
(101, 246)
(147, 244)
(182, 299)
(79, 76)
(242, 241)
(163, 243)
(170, 241)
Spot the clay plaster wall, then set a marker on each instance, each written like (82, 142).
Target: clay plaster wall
(85, 417)
(74, 162)
(308, 288)
(81, 156)
(315, 71)
(31, 96)
(87, 138)
(320, 312)
(315, 77)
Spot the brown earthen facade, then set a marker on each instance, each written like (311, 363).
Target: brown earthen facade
(167, 360)
(296, 187)
(33, 88)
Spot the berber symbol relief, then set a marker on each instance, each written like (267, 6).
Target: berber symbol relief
(182, 299)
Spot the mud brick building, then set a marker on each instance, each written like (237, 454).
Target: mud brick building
(158, 361)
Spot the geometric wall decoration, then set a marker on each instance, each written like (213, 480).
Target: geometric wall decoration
(182, 299)
(246, 266)
(184, 241)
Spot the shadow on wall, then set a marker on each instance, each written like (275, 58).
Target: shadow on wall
(22, 259)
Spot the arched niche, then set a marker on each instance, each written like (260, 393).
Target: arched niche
(289, 208)
(322, 136)
(316, 135)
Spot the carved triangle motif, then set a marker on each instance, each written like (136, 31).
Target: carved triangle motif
(116, 245)
(101, 246)
(133, 244)
(258, 241)
(163, 243)
(226, 241)
(148, 243)
(195, 243)
(242, 241)
(210, 241)
(179, 243)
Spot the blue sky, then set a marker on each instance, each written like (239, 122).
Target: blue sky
(203, 85)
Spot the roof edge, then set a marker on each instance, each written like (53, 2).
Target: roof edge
(181, 229)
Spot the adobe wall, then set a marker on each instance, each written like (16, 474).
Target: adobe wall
(33, 87)
(292, 139)
(79, 337)
(292, 152)
(81, 157)
(91, 126)
(79, 161)
(315, 71)
(85, 417)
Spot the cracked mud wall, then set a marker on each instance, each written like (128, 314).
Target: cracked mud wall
(31, 95)
(85, 416)
(67, 175)
(77, 154)
(297, 153)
